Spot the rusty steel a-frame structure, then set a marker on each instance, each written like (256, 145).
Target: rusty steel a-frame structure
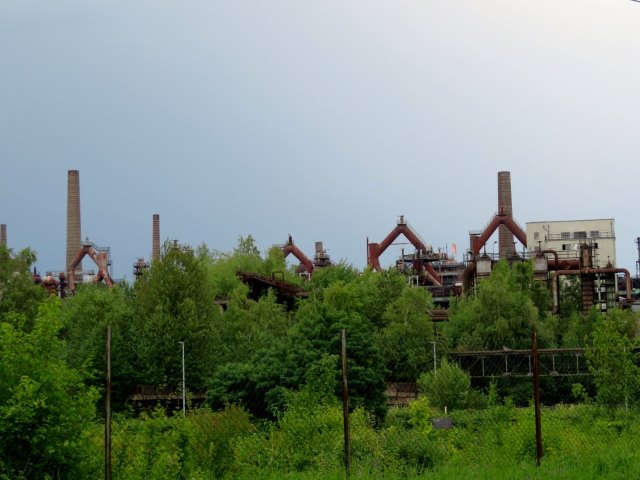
(307, 266)
(100, 257)
(422, 259)
(479, 240)
(290, 248)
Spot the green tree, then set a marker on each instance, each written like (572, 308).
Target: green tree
(539, 293)
(570, 296)
(44, 405)
(174, 303)
(260, 382)
(223, 268)
(323, 277)
(246, 247)
(578, 328)
(610, 360)
(501, 314)
(318, 332)
(86, 316)
(247, 326)
(19, 296)
(449, 386)
(406, 339)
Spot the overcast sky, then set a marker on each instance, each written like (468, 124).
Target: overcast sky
(320, 119)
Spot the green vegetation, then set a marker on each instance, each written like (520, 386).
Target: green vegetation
(271, 376)
(44, 404)
(447, 387)
(306, 442)
(502, 313)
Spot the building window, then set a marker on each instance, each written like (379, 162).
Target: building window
(565, 235)
(594, 233)
(536, 235)
(579, 234)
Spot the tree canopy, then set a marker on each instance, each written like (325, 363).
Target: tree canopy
(501, 314)
(247, 349)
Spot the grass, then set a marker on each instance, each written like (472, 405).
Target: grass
(579, 442)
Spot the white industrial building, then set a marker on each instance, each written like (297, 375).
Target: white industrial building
(566, 236)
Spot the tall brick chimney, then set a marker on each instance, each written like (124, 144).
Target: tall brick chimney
(3, 235)
(155, 247)
(74, 240)
(505, 237)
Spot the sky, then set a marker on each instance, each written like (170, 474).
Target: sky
(322, 119)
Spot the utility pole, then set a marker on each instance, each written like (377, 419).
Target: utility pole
(107, 405)
(536, 394)
(435, 365)
(184, 388)
(345, 402)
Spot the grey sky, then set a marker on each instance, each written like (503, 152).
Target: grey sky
(322, 119)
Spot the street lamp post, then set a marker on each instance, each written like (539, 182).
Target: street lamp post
(184, 388)
(493, 251)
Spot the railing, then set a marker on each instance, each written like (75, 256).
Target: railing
(416, 234)
(572, 236)
(480, 232)
(518, 225)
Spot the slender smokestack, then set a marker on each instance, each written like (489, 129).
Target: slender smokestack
(3, 235)
(73, 220)
(505, 237)
(155, 247)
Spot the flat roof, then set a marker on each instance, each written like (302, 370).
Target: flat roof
(576, 220)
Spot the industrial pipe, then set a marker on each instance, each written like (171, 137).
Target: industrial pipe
(375, 250)
(101, 259)
(498, 219)
(551, 252)
(290, 248)
(467, 276)
(431, 274)
(589, 271)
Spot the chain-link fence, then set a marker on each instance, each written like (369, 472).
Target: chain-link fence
(439, 423)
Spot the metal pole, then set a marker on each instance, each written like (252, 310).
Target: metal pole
(107, 403)
(536, 393)
(435, 366)
(184, 388)
(345, 402)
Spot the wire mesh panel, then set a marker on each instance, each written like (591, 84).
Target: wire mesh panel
(553, 362)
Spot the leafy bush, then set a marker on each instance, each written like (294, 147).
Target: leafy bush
(611, 360)
(413, 450)
(211, 437)
(449, 386)
(44, 406)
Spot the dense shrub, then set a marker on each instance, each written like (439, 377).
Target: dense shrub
(449, 386)
(45, 407)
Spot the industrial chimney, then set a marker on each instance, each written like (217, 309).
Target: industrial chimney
(74, 240)
(155, 247)
(505, 237)
(3, 235)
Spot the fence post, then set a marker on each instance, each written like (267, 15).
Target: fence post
(345, 402)
(536, 393)
(107, 405)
